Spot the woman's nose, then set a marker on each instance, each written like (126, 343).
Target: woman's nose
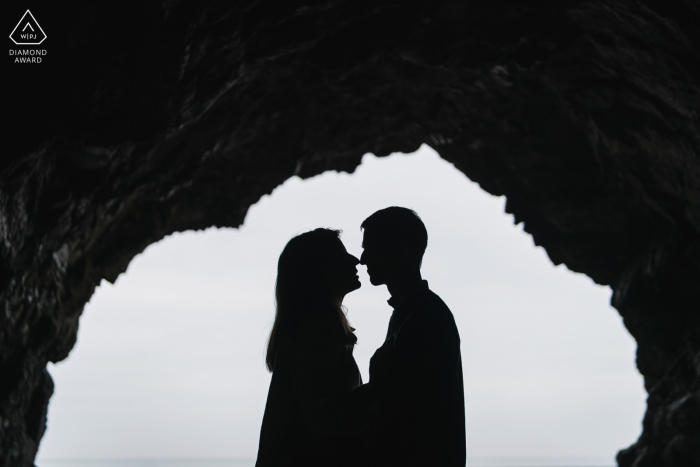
(355, 261)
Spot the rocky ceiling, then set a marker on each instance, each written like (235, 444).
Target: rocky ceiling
(180, 115)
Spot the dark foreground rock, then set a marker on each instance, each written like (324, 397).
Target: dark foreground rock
(141, 122)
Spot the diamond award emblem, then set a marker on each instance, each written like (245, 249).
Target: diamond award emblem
(28, 31)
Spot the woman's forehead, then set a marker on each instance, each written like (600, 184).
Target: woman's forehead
(330, 245)
(339, 245)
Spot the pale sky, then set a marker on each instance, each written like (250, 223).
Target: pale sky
(169, 361)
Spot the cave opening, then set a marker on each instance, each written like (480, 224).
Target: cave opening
(584, 115)
(169, 363)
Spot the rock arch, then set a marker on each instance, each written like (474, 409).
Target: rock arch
(585, 115)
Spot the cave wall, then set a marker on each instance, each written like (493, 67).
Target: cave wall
(585, 115)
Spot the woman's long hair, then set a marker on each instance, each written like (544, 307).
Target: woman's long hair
(303, 297)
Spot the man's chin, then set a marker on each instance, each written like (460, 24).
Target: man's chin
(375, 281)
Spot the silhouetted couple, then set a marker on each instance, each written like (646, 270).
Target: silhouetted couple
(318, 412)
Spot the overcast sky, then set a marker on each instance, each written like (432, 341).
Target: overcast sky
(170, 359)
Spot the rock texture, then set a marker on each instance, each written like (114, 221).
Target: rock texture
(180, 115)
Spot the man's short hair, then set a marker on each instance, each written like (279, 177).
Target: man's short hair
(401, 226)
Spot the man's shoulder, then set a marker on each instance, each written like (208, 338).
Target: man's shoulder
(431, 302)
(431, 311)
(434, 300)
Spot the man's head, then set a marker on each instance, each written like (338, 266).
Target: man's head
(394, 242)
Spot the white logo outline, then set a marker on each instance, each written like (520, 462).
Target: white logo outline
(20, 22)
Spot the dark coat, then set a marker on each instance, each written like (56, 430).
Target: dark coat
(418, 376)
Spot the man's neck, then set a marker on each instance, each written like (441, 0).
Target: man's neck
(400, 287)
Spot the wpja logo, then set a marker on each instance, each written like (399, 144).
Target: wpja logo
(28, 32)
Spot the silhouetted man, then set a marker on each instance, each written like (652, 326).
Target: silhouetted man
(417, 372)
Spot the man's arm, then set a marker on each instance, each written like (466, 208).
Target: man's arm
(426, 363)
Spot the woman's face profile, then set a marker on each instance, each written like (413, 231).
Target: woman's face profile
(341, 274)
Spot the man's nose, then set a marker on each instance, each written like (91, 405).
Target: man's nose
(363, 258)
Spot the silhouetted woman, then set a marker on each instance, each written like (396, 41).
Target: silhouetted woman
(309, 353)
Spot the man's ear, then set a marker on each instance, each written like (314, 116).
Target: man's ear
(399, 255)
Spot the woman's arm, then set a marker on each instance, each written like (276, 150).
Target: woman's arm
(329, 405)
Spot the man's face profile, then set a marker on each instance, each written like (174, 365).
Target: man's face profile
(377, 256)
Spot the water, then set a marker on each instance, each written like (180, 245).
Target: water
(147, 463)
(491, 462)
